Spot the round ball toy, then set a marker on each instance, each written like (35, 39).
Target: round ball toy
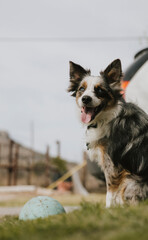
(40, 207)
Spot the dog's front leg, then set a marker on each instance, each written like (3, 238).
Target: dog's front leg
(109, 199)
(114, 198)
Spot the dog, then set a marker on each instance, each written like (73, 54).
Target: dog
(116, 132)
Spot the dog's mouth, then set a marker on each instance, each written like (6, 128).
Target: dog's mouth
(89, 113)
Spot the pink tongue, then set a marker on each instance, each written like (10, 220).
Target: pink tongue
(85, 117)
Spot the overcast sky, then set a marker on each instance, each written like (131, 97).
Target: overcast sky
(34, 75)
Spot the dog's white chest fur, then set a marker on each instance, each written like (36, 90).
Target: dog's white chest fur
(93, 135)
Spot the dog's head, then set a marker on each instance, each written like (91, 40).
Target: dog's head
(95, 94)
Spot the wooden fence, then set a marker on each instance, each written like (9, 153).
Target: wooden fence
(15, 157)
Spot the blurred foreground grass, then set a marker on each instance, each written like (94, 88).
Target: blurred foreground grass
(92, 222)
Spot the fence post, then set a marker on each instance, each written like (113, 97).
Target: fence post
(10, 159)
(47, 167)
(58, 148)
(29, 173)
(84, 173)
(30, 166)
(0, 152)
(15, 164)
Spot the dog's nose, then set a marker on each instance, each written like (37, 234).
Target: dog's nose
(86, 99)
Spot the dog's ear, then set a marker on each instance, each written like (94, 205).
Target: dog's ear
(113, 72)
(76, 75)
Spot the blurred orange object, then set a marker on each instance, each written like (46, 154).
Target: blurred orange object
(65, 186)
(124, 84)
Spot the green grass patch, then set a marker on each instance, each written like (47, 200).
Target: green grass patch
(92, 222)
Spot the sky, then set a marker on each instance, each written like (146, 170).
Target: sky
(34, 74)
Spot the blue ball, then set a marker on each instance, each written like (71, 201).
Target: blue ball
(40, 207)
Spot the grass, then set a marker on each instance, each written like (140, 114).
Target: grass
(92, 222)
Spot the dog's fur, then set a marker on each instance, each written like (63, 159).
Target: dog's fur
(117, 132)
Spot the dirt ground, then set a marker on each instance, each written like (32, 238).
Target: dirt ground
(65, 198)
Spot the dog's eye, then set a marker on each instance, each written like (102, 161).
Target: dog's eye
(99, 90)
(81, 89)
